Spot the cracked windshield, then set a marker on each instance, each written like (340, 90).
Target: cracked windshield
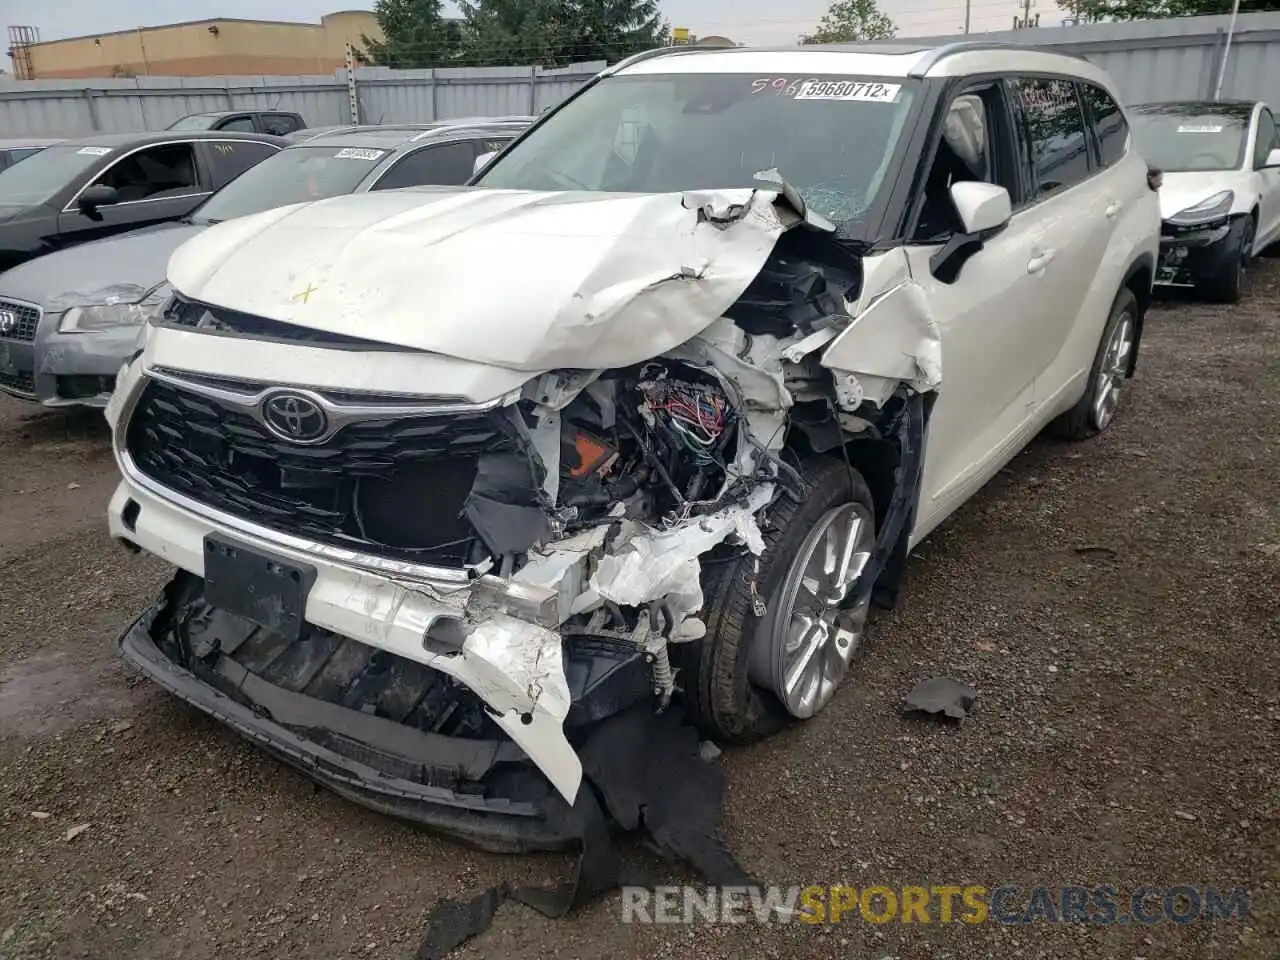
(831, 138)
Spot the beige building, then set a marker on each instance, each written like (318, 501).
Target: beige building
(202, 48)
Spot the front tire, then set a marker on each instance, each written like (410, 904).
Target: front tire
(736, 678)
(1111, 364)
(1227, 285)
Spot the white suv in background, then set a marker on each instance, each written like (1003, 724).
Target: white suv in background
(648, 416)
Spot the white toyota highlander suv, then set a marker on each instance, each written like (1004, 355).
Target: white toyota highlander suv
(645, 418)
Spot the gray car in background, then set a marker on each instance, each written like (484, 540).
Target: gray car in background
(69, 319)
(14, 149)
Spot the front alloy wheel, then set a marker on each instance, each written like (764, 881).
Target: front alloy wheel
(805, 648)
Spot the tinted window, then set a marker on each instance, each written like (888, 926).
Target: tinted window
(1054, 134)
(295, 175)
(25, 183)
(244, 124)
(1266, 138)
(1108, 124)
(197, 121)
(152, 173)
(278, 124)
(832, 138)
(233, 157)
(21, 153)
(448, 164)
(1178, 137)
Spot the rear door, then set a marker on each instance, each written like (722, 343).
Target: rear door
(224, 160)
(155, 183)
(1072, 212)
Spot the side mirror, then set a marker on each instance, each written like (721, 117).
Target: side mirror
(1273, 159)
(982, 207)
(483, 161)
(99, 195)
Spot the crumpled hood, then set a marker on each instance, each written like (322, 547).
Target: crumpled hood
(1181, 190)
(117, 269)
(517, 279)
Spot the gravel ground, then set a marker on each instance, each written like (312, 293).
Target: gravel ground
(1125, 732)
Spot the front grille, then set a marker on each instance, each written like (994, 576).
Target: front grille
(22, 326)
(23, 383)
(391, 487)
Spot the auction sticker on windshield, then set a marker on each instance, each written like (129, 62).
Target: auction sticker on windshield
(1200, 128)
(356, 153)
(94, 151)
(859, 90)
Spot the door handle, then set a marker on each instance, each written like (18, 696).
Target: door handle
(1113, 209)
(1041, 260)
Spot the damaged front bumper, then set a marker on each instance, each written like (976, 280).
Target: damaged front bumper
(514, 665)
(1190, 254)
(442, 783)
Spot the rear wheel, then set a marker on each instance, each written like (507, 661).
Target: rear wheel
(1227, 284)
(1097, 408)
(780, 638)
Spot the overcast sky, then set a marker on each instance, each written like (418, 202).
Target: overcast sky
(750, 21)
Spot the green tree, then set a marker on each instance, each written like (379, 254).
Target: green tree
(557, 32)
(513, 32)
(614, 29)
(1095, 10)
(848, 21)
(416, 34)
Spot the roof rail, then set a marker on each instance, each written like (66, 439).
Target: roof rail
(938, 54)
(473, 123)
(651, 54)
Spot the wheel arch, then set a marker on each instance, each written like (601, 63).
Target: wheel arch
(1139, 279)
(890, 458)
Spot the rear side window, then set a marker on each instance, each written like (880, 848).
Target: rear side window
(230, 158)
(278, 124)
(445, 164)
(1109, 127)
(1266, 139)
(1053, 131)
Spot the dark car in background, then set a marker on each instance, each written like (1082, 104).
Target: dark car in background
(275, 122)
(87, 189)
(73, 316)
(14, 149)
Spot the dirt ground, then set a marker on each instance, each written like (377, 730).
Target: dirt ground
(1116, 603)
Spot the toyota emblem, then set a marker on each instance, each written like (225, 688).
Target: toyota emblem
(294, 417)
(8, 321)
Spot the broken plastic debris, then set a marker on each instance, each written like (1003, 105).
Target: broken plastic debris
(942, 695)
(74, 832)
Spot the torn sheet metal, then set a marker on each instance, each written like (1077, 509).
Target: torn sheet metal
(650, 564)
(518, 669)
(894, 340)
(562, 566)
(604, 280)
